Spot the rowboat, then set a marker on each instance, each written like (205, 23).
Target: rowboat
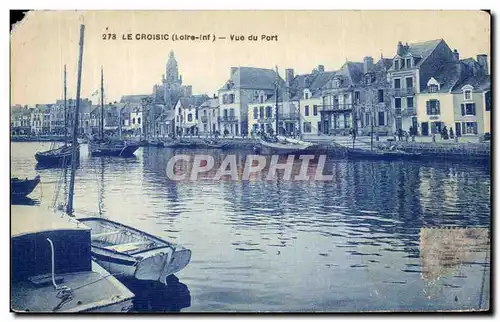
(23, 187)
(130, 252)
(56, 157)
(380, 154)
(52, 268)
(281, 145)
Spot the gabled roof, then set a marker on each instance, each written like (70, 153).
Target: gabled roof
(480, 83)
(133, 98)
(252, 78)
(420, 49)
(193, 101)
(314, 82)
(211, 103)
(166, 116)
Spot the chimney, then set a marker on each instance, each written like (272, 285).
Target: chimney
(288, 76)
(483, 61)
(367, 64)
(233, 70)
(321, 68)
(457, 55)
(400, 48)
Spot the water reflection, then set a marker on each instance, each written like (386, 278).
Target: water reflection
(152, 296)
(351, 243)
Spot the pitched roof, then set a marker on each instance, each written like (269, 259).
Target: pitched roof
(193, 101)
(480, 83)
(314, 82)
(447, 76)
(136, 98)
(213, 103)
(420, 49)
(252, 78)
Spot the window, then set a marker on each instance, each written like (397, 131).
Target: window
(269, 112)
(231, 112)
(487, 101)
(468, 109)
(433, 107)
(397, 83)
(409, 102)
(190, 117)
(356, 97)
(397, 102)
(306, 95)
(306, 110)
(408, 62)
(367, 118)
(307, 127)
(467, 94)
(315, 110)
(469, 127)
(380, 95)
(335, 100)
(224, 99)
(346, 98)
(402, 63)
(261, 99)
(396, 64)
(347, 120)
(336, 83)
(381, 118)
(409, 82)
(138, 120)
(255, 113)
(433, 88)
(261, 112)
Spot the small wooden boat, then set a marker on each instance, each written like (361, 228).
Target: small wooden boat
(56, 157)
(281, 145)
(131, 252)
(53, 270)
(180, 144)
(156, 143)
(109, 147)
(380, 154)
(215, 144)
(23, 187)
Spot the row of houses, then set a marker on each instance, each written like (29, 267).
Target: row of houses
(424, 87)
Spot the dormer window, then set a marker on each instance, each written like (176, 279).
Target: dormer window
(307, 94)
(336, 83)
(396, 64)
(467, 94)
(408, 63)
(433, 88)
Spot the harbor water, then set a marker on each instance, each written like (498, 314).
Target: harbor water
(380, 236)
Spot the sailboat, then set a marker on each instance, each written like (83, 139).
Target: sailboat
(279, 144)
(23, 187)
(62, 155)
(102, 146)
(51, 259)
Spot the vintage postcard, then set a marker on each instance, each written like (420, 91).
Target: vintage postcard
(250, 161)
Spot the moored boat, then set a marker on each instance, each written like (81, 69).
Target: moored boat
(23, 187)
(380, 154)
(53, 270)
(130, 252)
(156, 143)
(110, 147)
(56, 157)
(282, 145)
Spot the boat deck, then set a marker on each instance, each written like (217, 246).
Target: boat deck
(91, 290)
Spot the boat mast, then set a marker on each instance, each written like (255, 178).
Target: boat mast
(65, 111)
(69, 207)
(102, 105)
(277, 116)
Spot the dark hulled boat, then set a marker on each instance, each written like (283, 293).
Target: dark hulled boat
(110, 147)
(23, 187)
(56, 157)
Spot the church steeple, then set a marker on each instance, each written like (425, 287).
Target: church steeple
(172, 71)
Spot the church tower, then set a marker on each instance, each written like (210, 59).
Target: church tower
(172, 71)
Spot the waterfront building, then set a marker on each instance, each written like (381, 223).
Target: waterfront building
(186, 114)
(20, 120)
(209, 116)
(337, 97)
(371, 99)
(40, 119)
(413, 66)
(246, 85)
(136, 104)
(457, 95)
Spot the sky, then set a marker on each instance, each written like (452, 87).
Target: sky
(46, 40)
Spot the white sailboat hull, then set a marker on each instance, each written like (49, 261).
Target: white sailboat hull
(283, 146)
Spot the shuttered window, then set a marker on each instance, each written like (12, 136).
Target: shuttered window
(433, 107)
